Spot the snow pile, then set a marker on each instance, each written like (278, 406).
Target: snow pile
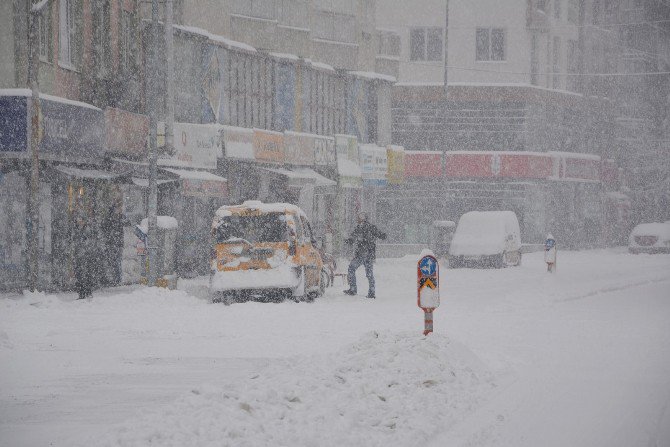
(386, 389)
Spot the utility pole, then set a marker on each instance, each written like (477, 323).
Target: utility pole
(153, 187)
(169, 84)
(446, 45)
(34, 197)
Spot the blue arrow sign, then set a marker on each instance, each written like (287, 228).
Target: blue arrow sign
(428, 266)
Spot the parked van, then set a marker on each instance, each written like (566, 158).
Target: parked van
(650, 238)
(264, 250)
(486, 239)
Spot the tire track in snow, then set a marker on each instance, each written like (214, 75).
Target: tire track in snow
(612, 289)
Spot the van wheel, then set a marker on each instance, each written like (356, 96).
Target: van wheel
(299, 291)
(325, 282)
(499, 261)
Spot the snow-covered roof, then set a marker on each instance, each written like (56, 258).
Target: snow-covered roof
(25, 92)
(304, 173)
(216, 38)
(372, 75)
(93, 174)
(193, 174)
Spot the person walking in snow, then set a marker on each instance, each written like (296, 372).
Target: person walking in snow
(550, 253)
(364, 237)
(85, 257)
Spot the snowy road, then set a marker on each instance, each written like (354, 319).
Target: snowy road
(518, 358)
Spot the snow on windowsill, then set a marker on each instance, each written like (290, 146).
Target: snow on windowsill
(373, 75)
(294, 28)
(335, 42)
(67, 66)
(257, 19)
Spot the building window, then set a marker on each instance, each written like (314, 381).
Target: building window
(573, 64)
(490, 44)
(294, 13)
(335, 26)
(557, 63)
(261, 9)
(425, 44)
(66, 34)
(389, 43)
(102, 37)
(557, 9)
(534, 59)
(541, 5)
(127, 41)
(44, 32)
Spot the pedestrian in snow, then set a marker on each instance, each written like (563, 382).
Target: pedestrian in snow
(550, 253)
(364, 237)
(85, 258)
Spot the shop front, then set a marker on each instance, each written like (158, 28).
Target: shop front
(76, 186)
(194, 161)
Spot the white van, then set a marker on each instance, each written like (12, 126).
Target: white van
(486, 239)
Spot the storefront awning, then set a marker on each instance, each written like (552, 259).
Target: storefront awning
(199, 183)
(144, 183)
(302, 176)
(90, 174)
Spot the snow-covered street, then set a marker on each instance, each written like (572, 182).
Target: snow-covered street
(519, 357)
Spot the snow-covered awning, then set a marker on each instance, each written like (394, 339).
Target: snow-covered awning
(199, 183)
(302, 176)
(90, 174)
(193, 174)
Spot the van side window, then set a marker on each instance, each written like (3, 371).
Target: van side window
(308, 230)
(298, 228)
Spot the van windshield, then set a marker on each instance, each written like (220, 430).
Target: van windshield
(269, 227)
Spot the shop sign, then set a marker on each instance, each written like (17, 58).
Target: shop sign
(195, 145)
(268, 146)
(423, 164)
(70, 130)
(373, 164)
(299, 148)
(396, 164)
(324, 151)
(497, 164)
(525, 165)
(126, 132)
(238, 142)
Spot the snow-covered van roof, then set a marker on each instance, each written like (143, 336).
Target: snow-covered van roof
(257, 205)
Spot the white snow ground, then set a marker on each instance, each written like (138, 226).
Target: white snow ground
(519, 357)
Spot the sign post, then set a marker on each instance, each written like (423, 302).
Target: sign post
(550, 253)
(428, 287)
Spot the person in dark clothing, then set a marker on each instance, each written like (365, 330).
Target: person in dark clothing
(364, 237)
(85, 259)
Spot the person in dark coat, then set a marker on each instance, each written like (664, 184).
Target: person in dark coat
(364, 237)
(85, 259)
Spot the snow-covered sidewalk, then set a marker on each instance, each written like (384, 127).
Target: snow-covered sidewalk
(519, 357)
